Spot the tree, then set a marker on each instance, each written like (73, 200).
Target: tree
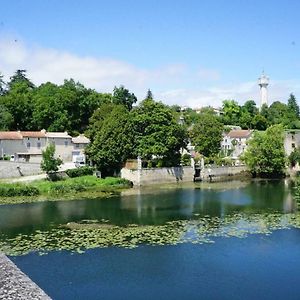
(157, 133)
(6, 119)
(50, 111)
(294, 157)
(124, 97)
(231, 112)
(278, 114)
(18, 101)
(293, 107)
(149, 95)
(113, 142)
(250, 107)
(49, 163)
(2, 85)
(259, 122)
(206, 134)
(20, 76)
(265, 155)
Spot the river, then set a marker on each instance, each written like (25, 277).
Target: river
(232, 240)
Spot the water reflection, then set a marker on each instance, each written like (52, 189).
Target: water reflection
(154, 207)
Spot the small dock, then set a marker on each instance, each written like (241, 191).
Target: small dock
(14, 284)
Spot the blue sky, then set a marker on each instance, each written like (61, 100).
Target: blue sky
(191, 53)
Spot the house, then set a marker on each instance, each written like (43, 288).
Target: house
(34, 142)
(291, 140)
(25, 146)
(79, 144)
(234, 142)
(63, 144)
(10, 143)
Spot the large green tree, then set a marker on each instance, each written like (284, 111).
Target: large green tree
(293, 106)
(113, 142)
(6, 118)
(231, 112)
(122, 96)
(265, 155)
(206, 134)
(157, 132)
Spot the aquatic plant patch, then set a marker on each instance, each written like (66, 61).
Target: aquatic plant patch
(89, 234)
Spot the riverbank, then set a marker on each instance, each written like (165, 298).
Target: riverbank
(67, 189)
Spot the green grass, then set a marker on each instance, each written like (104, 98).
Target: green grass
(70, 188)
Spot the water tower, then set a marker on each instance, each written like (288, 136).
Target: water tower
(263, 82)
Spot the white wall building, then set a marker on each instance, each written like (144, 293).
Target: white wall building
(27, 146)
(234, 142)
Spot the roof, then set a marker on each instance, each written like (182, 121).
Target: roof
(81, 139)
(239, 133)
(10, 135)
(33, 134)
(63, 135)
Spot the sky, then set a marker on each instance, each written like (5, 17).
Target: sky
(191, 53)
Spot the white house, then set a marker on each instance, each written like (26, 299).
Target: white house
(291, 140)
(63, 144)
(79, 144)
(27, 146)
(234, 142)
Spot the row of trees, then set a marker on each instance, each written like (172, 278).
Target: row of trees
(66, 107)
(119, 130)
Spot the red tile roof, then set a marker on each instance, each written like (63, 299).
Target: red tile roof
(10, 135)
(239, 133)
(33, 134)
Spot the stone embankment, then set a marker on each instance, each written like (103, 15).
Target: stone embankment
(141, 177)
(10, 169)
(14, 284)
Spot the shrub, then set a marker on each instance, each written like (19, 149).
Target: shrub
(14, 190)
(82, 171)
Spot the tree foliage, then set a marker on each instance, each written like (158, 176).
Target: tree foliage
(122, 96)
(265, 155)
(206, 134)
(157, 133)
(49, 163)
(113, 141)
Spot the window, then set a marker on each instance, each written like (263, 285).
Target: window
(28, 145)
(293, 145)
(76, 145)
(39, 145)
(293, 137)
(66, 143)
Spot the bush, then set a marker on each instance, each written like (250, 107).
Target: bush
(14, 190)
(82, 171)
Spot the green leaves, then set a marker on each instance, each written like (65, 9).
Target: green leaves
(265, 154)
(50, 163)
(206, 134)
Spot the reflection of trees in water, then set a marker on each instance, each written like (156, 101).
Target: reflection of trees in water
(152, 209)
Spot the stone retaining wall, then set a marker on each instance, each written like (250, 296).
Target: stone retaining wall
(176, 174)
(9, 169)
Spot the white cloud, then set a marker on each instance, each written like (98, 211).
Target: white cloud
(172, 84)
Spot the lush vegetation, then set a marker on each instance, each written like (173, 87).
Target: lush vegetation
(15, 190)
(45, 189)
(265, 155)
(50, 163)
(119, 129)
(82, 171)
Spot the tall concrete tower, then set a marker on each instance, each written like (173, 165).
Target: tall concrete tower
(263, 82)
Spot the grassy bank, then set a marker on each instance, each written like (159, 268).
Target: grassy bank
(66, 189)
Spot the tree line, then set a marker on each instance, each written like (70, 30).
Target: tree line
(119, 129)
